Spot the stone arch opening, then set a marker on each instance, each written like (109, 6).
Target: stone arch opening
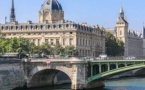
(49, 77)
(112, 66)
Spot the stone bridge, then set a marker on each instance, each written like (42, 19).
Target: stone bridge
(39, 73)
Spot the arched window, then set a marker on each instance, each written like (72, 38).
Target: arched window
(41, 26)
(67, 25)
(36, 27)
(31, 27)
(54, 26)
(48, 26)
(2, 27)
(16, 27)
(6, 27)
(60, 26)
(26, 27)
(21, 27)
(11, 27)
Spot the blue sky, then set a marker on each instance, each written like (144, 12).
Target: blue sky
(102, 12)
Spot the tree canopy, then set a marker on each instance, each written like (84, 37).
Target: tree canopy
(15, 45)
(114, 46)
(26, 46)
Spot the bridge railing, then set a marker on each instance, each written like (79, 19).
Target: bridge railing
(120, 58)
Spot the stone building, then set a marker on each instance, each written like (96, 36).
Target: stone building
(53, 29)
(133, 41)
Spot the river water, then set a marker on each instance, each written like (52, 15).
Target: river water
(130, 83)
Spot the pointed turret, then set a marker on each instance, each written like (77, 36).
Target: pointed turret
(121, 12)
(12, 16)
(122, 18)
(143, 31)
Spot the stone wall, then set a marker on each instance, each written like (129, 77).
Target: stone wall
(11, 75)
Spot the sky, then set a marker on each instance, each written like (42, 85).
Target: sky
(101, 12)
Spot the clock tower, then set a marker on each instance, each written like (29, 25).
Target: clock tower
(122, 30)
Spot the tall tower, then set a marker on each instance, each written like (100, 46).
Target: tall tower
(12, 16)
(122, 30)
(51, 12)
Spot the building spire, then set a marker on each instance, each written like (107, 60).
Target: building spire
(121, 12)
(143, 31)
(12, 16)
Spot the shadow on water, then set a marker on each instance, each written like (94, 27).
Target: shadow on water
(56, 87)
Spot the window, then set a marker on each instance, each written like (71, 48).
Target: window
(120, 32)
(31, 27)
(21, 27)
(41, 26)
(63, 41)
(46, 40)
(48, 26)
(57, 41)
(77, 41)
(38, 42)
(16, 27)
(80, 42)
(26, 27)
(71, 41)
(51, 41)
(71, 32)
(34, 41)
(83, 42)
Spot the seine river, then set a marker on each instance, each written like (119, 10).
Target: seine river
(116, 84)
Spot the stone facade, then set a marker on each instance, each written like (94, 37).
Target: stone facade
(53, 29)
(133, 41)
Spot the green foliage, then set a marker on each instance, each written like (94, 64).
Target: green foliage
(26, 46)
(45, 48)
(15, 45)
(58, 50)
(114, 46)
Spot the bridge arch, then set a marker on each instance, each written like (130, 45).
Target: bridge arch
(110, 73)
(45, 76)
(121, 65)
(104, 67)
(112, 66)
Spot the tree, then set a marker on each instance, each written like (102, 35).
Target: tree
(15, 45)
(45, 48)
(70, 50)
(114, 46)
(2, 35)
(58, 50)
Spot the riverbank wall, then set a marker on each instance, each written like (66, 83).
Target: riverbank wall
(11, 75)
